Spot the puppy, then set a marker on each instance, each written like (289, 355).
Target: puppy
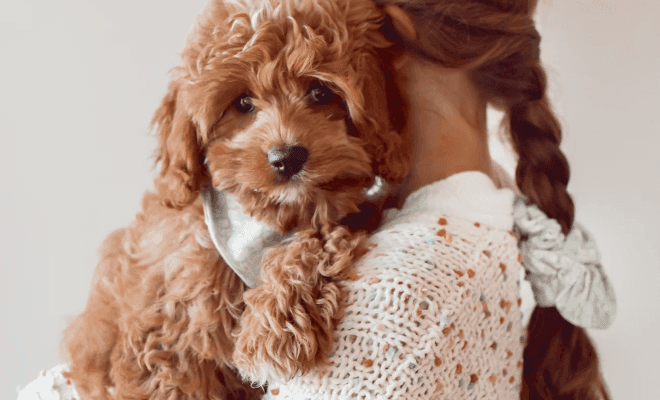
(285, 105)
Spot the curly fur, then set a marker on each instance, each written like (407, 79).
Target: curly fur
(166, 317)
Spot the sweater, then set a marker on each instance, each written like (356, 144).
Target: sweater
(433, 314)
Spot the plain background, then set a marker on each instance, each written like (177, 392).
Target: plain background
(80, 80)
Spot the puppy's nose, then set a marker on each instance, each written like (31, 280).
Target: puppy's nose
(287, 161)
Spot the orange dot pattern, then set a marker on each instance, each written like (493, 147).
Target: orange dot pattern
(444, 326)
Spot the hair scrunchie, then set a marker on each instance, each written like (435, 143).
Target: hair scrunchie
(564, 270)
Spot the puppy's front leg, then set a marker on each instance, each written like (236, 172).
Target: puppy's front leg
(287, 328)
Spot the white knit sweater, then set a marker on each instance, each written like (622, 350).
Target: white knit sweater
(434, 313)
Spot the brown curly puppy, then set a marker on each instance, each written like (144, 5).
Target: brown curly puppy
(284, 104)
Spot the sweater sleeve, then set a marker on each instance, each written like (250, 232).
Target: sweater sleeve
(50, 385)
(434, 311)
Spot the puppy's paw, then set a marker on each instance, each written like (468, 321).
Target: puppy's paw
(287, 328)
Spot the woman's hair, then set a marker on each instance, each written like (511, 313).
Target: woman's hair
(497, 43)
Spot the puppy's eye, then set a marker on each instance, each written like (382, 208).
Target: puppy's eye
(243, 104)
(320, 94)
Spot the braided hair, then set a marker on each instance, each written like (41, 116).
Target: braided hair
(497, 43)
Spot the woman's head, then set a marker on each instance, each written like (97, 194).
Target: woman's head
(496, 44)
(470, 33)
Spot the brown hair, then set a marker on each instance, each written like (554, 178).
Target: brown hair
(497, 42)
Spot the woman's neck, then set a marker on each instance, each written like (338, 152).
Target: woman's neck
(446, 124)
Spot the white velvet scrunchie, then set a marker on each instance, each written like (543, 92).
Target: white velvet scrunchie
(564, 270)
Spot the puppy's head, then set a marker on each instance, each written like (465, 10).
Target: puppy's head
(283, 103)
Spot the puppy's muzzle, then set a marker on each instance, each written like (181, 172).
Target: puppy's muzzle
(288, 160)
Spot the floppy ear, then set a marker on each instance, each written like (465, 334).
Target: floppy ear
(178, 181)
(384, 113)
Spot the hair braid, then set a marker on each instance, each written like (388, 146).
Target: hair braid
(560, 361)
(543, 172)
(496, 40)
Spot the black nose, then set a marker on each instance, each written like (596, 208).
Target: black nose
(287, 161)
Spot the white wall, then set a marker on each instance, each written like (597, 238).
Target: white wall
(79, 82)
(603, 58)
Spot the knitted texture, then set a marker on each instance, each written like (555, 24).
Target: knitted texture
(434, 313)
(50, 385)
(434, 310)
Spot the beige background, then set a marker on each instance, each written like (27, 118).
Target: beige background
(80, 80)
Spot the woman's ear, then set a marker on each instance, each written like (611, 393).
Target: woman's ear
(178, 181)
(401, 21)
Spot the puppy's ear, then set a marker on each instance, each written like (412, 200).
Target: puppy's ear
(383, 110)
(178, 181)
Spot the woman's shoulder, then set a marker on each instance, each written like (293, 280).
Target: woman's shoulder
(469, 195)
(437, 291)
(425, 304)
(444, 225)
(445, 253)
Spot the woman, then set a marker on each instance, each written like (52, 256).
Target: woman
(488, 51)
(435, 311)
(452, 333)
